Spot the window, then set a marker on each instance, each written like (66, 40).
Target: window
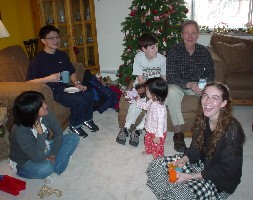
(232, 13)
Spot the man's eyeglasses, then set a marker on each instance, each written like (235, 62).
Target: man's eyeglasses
(213, 99)
(53, 38)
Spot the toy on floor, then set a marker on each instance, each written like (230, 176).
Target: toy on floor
(172, 172)
(11, 185)
(45, 191)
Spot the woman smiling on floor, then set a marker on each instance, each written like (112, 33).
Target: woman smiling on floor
(212, 165)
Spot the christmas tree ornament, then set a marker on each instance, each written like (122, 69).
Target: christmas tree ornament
(132, 13)
(143, 19)
(156, 18)
(148, 13)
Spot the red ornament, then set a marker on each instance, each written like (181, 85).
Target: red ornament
(155, 12)
(148, 24)
(133, 12)
(127, 79)
(172, 11)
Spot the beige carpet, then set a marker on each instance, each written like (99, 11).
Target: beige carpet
(102, 169)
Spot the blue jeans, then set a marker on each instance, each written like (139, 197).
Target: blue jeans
(80, 104)
(43, 169)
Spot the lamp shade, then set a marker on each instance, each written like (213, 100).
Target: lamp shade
(3, 31)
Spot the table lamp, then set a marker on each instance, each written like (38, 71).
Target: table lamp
(3, 30)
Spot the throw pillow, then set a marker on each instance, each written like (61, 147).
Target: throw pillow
(236, 57)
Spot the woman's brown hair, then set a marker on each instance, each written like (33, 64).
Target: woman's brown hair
(223, 121)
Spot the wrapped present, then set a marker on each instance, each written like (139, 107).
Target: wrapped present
(11, 185)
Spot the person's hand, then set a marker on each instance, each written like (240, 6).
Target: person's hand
(181, 162)
(80, 87)
(51, 158)
(38, 127)
(127, 99)
(182, 177)
(194, 87)
(156, 140)
(54, 77)
(137, 97)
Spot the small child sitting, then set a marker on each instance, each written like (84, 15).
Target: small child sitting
(139, 89)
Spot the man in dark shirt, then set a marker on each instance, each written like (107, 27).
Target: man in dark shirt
(46, 68)
(187, 62)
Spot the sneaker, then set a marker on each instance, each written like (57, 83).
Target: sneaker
(122, 136)
(134, 137)
(79, 131)
(91, 125)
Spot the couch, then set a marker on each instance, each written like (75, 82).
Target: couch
(13, 67)
(233, 62)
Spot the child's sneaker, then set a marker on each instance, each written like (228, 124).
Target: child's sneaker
(122, 136)
(134, 137)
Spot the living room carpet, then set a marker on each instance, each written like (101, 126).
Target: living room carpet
(101, 169)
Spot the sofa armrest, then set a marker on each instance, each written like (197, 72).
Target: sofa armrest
(10, 90)
(219, 65)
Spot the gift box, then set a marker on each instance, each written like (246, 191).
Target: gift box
(11, 185)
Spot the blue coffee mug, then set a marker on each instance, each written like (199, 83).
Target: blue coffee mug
(65, 76)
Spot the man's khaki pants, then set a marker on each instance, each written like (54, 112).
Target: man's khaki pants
(174, 101)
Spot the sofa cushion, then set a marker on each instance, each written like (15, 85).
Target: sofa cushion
(237, 57)
(239, 80)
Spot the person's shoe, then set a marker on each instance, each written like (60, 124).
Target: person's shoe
(91, 125)
(79, 131)
(122, 136)
(179, 144)
(134, 137)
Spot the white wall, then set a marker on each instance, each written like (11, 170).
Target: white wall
(109, 16)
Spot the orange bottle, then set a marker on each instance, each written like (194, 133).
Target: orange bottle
(172, 173)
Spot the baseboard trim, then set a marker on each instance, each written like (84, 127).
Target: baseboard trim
(108, 71)
(242, 102)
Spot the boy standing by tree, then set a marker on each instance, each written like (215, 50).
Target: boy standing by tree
(148, 63)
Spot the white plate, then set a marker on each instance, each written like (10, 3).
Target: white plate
(71, 90)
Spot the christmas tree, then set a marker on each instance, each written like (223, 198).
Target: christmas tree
(161, 17)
